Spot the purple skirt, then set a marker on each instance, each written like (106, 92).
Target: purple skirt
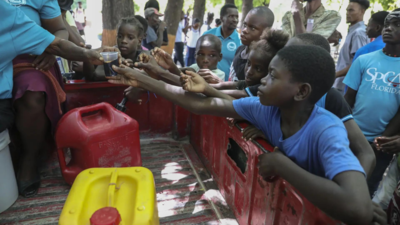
(35, 80)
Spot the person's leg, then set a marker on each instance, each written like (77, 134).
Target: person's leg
(180, 54)
(382, 162)
(33, 125)
(192, 56)
(187, 57)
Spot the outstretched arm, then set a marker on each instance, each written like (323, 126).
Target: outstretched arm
(193, 102)
(360, 146)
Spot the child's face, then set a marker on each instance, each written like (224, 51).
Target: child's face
(128, 40)
(253, 27)
(256, 67)
(277, 88)
(207, 57)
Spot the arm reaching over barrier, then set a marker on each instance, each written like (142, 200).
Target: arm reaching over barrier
(195, 103)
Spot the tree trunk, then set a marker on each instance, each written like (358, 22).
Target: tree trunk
(172, 18)
(199, 10)
(247, 5)
(229, 1)
(113, 11)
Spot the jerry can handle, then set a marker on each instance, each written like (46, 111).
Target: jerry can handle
(105, 107)
(61, 159)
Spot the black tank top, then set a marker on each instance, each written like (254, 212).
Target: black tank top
(239, 64)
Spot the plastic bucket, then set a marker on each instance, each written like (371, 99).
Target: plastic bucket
(8, 184)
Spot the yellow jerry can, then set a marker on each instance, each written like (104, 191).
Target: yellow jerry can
(131, 191)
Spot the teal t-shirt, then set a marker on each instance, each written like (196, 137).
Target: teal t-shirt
(18, 35)
(38, 9)
(376, 78)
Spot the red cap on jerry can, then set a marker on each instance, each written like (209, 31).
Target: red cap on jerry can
(106, 216)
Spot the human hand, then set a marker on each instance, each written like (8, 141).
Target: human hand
(209, 76)
(380, 217)
(133, 94)
(94, 57)
(127, 62)
(193, 82)
(162, 25)
(184, 69)
(389, 145)
(44, 61)
(77, 66)
(251, 133)
(149, 65)
(297, 6)
(163, 59)
(126, 76)
(267, 163)
(335, 37)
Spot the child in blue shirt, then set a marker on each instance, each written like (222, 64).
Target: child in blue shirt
(315, 156)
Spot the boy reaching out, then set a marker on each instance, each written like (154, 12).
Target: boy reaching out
(316, 157)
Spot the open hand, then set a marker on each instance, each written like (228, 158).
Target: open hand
(267, 163)
(251, 133)
(297, 6)
(193, 82)
(389, 145)
(209, 76)
(163, 59)
(44, 61)
(149, 65)
(126, 76)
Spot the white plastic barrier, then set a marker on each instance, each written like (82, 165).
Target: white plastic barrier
(8, 183)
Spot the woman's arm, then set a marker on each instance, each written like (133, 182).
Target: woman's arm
(56, 26)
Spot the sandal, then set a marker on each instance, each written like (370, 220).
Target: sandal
(29, 188)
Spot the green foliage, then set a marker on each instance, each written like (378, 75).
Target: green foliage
(137, 8)
(238, 3)
(387, 5)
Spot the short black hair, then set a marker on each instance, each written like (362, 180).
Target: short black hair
(152, 4)
(364, 3)
(310, 64)
(314, 39)
(133, 22)
(210, 15)
(224, 9)
(379, 17)
(215, 41)
(396, 10)
(266, 13)
(143, 21)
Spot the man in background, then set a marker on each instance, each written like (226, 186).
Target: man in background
(356, 38)
(155, 31)
(80, 18)
(207, 24)
(179, 40)
(312, 18)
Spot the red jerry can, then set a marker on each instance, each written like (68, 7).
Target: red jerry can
(97, 136)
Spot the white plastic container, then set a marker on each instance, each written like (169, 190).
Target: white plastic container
(8, 182)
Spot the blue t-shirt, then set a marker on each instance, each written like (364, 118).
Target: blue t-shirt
(376, 45)
(376, 78)
(229, 46)
(321, 146)
(18, 35)
(38, 9)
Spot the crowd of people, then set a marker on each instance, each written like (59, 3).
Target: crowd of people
(335, 128)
